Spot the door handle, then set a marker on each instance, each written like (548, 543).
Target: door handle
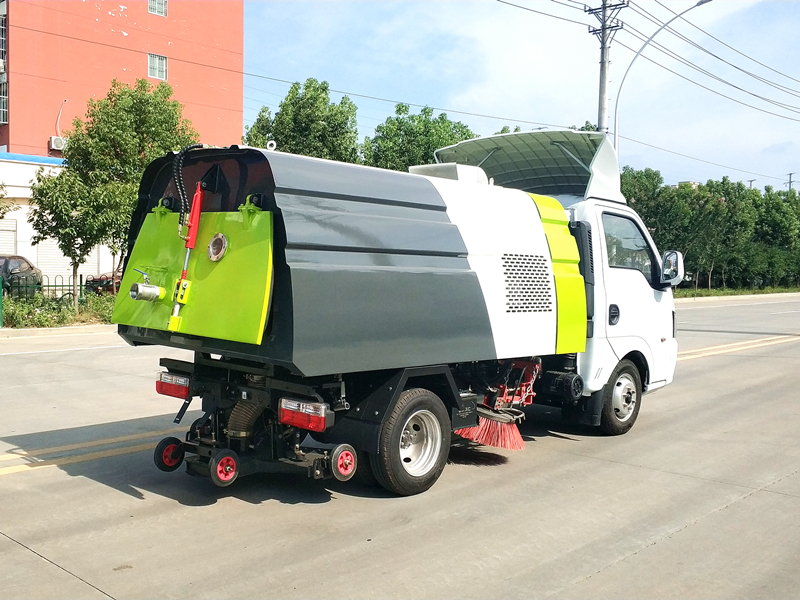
(613, 314)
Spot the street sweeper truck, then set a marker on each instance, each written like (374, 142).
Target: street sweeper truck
(346, 320)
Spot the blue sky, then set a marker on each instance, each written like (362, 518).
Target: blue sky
(489, 58)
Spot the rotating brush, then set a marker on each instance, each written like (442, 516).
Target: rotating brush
(496, 428)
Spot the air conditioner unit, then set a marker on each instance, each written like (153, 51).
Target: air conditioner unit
(57, 143)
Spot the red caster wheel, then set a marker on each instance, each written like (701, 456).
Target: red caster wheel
(169, 454)
(224, 468)
(343, 462)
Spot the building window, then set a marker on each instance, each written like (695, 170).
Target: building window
(157, 7)
(3, 103)
(157, 66)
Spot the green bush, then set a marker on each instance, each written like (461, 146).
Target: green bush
(43, 311)
(36, 311)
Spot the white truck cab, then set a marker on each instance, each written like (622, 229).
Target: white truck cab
(630, 308)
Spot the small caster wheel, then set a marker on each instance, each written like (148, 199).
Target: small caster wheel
(343, 462)
(224, 468)
(169, 454)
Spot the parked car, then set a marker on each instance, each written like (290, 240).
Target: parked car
(101, 284)
(20, 276)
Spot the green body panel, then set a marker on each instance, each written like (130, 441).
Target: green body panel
(570, 289)
(227, 300)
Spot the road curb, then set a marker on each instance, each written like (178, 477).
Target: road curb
(736, 297)
(10, 332)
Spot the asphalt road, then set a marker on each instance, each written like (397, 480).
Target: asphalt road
(700, 500)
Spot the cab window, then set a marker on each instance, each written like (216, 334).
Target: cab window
(627, 247)
(24, 266)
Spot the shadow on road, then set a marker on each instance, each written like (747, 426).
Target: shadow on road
(119, 455)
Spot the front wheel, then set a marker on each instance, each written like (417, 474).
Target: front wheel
(621, 399)
(414, 444)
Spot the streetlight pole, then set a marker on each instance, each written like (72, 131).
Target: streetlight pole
(622, 83)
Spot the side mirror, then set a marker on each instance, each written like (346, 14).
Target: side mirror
(671, 268)
(14, 271)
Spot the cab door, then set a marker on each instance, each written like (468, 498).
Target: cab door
(639, 312)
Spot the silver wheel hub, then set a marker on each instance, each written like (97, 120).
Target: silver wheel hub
(420, 443)
(624, 398)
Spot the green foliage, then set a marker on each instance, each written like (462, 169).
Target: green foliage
(6, 206)
(730, 235)
(587, 126)
(36, 311)
(260, 133)
(308, 123)
(406, 139)
(125, 131)
(45, 311)
(507, 129)
(91, 200)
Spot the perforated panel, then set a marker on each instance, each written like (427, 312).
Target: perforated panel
(528, 287)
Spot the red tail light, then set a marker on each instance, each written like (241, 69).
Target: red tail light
(305, 415)
(170, 384)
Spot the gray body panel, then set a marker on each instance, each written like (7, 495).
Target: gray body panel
(369, 273)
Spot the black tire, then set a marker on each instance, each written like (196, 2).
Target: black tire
(344, 462)
(224, 468)
(414, 444)
(364, 474)
(622, 399)
(169, 454)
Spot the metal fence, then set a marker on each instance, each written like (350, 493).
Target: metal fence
(59, 287)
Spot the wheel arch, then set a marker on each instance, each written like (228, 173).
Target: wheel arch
(639, 360)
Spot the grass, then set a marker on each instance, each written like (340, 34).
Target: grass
(702, 293)
(41, 311)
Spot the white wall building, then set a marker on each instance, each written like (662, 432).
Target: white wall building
(17, 172)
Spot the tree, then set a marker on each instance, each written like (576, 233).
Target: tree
(6, 206)
(91, 200)
(66, 208)
(587, 126)
(260, 133)
(507, 129)
(308, 123)
(406, 139)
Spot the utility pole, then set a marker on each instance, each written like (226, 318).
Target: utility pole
(750, 181)
(790, 181)
(609, 25)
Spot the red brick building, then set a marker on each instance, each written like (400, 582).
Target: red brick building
(57, 50)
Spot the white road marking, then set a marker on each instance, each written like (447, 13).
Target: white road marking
(680, 308)
(785, 312)
(63, 350)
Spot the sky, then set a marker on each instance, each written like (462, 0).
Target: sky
(488, 64)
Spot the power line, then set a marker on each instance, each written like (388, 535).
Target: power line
(691, 42)
(640, 36)
(731, 47)
(712, 90)
(538, 12)
(506, 119)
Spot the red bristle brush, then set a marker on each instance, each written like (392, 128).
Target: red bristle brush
(497, 434)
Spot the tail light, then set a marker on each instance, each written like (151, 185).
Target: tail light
(305, 415)
(170, 384)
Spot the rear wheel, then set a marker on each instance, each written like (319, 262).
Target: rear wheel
(414, 444)
(169, 454)
(622, 399)
(224, 468)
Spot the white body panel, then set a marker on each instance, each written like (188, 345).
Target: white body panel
(494, 222)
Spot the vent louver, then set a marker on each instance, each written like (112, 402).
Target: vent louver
(528, 286)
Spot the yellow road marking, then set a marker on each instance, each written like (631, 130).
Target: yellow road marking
(68, 460)
(737, 347)
(92, 444)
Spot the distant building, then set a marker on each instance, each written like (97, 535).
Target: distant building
(694, 184)
(71, 50)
